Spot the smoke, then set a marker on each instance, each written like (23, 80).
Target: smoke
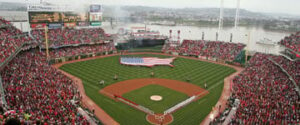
(78, 6)
(119, 13)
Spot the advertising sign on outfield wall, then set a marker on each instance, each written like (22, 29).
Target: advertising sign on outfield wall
(83, 24)
(69, 24)
(38, 26)
(96, 23)
(55, 25)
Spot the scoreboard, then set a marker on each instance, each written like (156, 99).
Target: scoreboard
(63, 15)
(95, 17)
(44, 17)
(74, 17)
(57, 17)
(95, 8)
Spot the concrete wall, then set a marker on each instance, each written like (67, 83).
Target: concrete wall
(23, 26)
(19, 19)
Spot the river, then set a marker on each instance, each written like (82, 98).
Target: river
(240, 35)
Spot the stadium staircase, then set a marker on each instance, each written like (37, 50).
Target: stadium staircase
(2, 95)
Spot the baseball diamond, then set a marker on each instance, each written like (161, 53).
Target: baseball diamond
(190, 72)
(149, 62)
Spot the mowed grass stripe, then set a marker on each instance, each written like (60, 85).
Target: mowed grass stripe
(92, 71)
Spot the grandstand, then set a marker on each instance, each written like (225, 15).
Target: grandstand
(33, 91)
(268, 90)
(12, 39)
(70, 36)
(292, 46)
(208, 49)
(25, 69)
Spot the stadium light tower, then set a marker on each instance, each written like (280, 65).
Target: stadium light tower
(221, 15)
(237, 15)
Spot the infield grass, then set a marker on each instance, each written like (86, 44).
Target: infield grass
(199, 72)
(142, 95)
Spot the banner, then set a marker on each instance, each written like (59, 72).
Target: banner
(38, 26)
(69, 24)
(55, 25)
(96, 23)
(82, 24)
(146, 61)
(50, 8)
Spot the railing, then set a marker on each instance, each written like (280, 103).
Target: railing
(144, 50)
(7, 60)
(86, 115)
(103, 41)
(18, 36)
(2, 93)
(232, 112)
(79, 56)
(6, 25)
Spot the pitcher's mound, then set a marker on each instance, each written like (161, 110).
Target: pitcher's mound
(156, 97)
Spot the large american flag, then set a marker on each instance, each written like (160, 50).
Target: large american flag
(146, 61)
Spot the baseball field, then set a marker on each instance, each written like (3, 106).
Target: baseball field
(186, 70)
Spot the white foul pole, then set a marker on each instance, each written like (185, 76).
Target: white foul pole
(237, 14)
(221, 15)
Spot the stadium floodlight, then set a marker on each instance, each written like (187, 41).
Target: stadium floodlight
(237, 15)
(221, 15)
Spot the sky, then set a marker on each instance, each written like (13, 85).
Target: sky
(266, 6)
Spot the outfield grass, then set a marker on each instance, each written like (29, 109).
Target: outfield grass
(91, 71)
(142, 95)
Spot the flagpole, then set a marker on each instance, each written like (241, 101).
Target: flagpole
(247, 49)
(46, 42)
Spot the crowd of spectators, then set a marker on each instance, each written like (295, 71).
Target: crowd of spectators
(292, 67)
(35, 92)
(292, 42)
(170, 47)
(4, 22)
(11, 39)
(266, 94)
(211, 49)
(80, 50)
(69, 36)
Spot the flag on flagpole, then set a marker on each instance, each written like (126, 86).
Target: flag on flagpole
(146, 61)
